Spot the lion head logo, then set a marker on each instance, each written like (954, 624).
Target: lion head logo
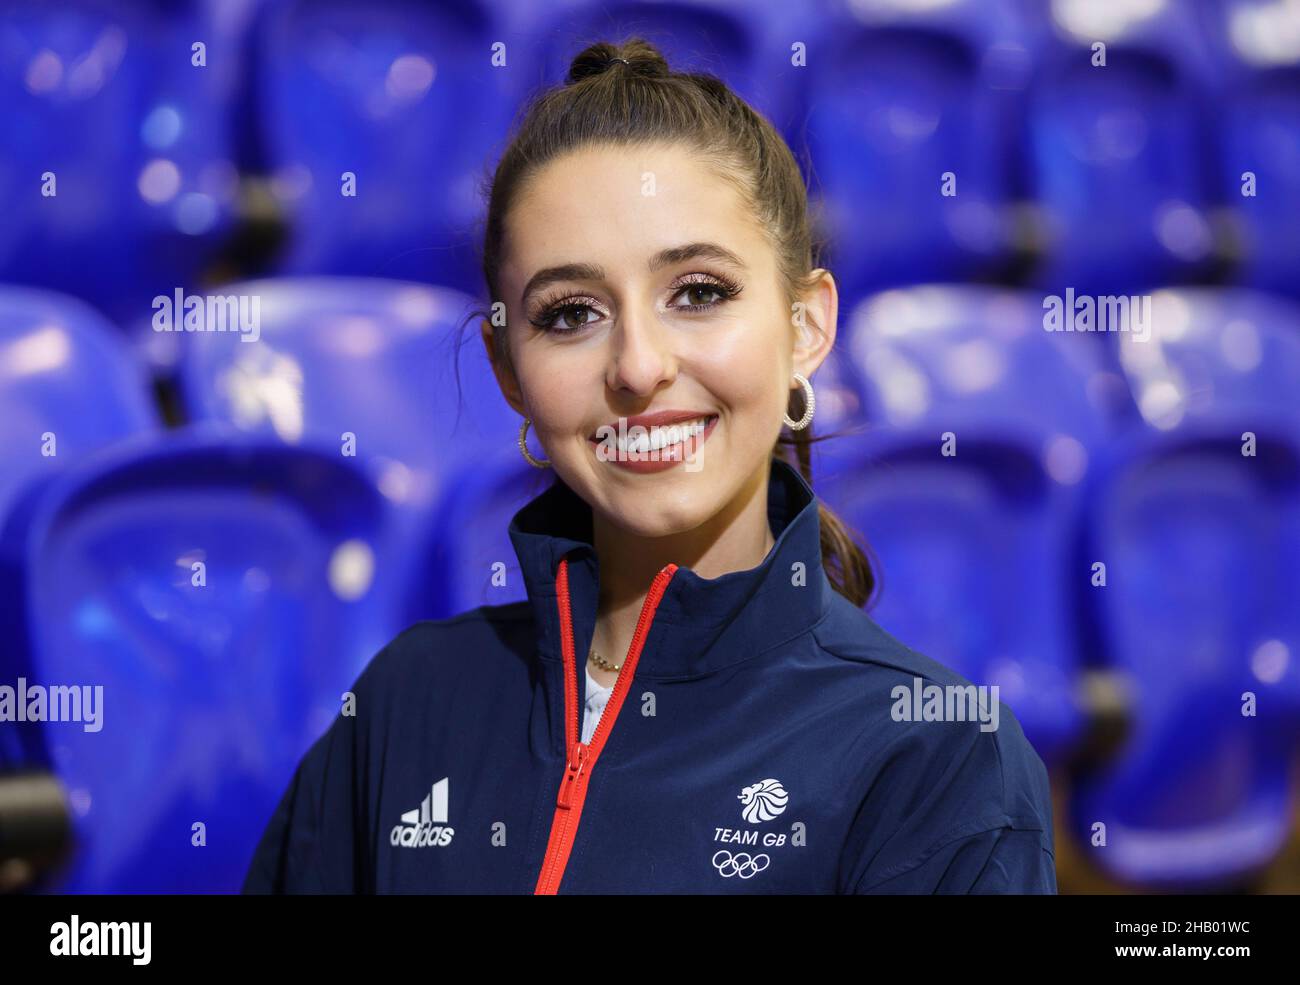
(763, 801)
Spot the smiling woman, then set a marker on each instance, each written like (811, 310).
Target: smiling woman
(649, 237)
(692, 667)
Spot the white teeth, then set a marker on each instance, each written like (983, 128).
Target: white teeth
(657, 438)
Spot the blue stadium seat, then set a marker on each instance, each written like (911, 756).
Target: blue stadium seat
(1258, 116)
(369, 357)
(976, 548)
(1119, 152)
(467, 559)
(902, 93)
(68, 388)
(1202, 545)
(115, 165)
(402, 95)
(215, 680)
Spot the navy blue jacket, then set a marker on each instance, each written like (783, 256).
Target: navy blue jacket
(759, 738)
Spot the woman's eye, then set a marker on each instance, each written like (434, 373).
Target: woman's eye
(571, 309)
(698, 295)
(693, 291)
(565, 319)
(560, 320)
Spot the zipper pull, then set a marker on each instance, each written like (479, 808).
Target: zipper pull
(573, 769)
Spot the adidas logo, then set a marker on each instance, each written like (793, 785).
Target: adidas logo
(426, 825)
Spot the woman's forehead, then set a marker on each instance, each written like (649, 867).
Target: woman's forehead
(623, 206)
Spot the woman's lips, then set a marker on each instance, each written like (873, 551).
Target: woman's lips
(653, 460)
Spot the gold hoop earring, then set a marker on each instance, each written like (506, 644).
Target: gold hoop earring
(809, 400)
(523, 447)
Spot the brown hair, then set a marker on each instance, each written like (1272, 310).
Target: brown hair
(638, 100)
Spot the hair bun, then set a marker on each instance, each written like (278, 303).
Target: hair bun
(636, 57)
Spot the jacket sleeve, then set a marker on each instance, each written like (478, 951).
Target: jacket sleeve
(309, 845)
(319, 838)
(996, 861)
(949, 808)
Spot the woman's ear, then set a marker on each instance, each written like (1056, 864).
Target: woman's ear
(815, 319)
(501, 369)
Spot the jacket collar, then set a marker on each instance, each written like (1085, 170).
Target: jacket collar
(701, 625)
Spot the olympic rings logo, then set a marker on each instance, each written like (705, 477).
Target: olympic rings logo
(741, 864)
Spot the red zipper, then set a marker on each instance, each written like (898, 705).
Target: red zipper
(582, 756)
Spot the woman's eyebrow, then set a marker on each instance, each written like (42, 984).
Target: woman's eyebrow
(695, 251)
(566, 271)
(664, 258)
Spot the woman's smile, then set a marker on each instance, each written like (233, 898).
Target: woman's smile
(653, 442)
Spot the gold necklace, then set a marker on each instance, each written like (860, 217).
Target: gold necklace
(600, 661)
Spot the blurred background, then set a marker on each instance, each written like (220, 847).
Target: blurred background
(221, 532)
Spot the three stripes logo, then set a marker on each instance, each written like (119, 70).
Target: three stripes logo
(425, 826)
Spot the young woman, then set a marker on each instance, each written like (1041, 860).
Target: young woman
(691, 699)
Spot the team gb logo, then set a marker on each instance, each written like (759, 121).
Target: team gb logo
(763, 801)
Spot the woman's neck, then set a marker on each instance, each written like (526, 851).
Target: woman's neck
(737, 538)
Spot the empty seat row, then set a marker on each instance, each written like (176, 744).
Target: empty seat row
(946, 141)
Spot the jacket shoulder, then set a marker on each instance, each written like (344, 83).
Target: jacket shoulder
(849, 633)
(432, 647)
(930, 778)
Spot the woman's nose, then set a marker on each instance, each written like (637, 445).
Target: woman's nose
(641, 357)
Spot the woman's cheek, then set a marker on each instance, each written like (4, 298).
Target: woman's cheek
(553, 387)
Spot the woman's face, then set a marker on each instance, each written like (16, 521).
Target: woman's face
(636, 281)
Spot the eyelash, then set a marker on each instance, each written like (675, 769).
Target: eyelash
(551, 308)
